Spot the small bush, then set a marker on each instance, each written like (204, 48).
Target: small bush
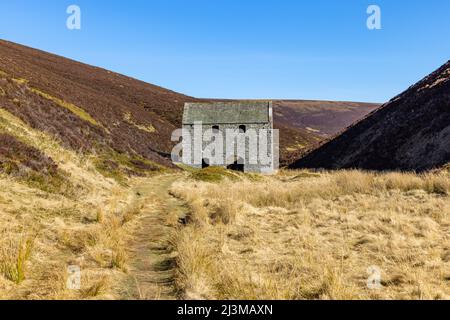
(52, 183)
(214, 174)
(438, 184)
(223, 211)
(119, 258)
(13, 259)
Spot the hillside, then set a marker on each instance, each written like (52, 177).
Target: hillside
(323, 118)
(304, 123)
(91, 109)
(86, 107)
(84, 183)
(410, 132)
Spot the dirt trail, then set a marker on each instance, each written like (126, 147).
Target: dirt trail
(152, 258)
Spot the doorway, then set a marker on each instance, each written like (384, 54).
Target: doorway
(238, 165)
(205, 163)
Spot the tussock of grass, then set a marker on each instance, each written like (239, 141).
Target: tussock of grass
(119, 259)
(197, 260)
(110, 248)
(131, 212)
(314, 236)
(69, 106)
(96, 289)
(100, 215)
(13, 259)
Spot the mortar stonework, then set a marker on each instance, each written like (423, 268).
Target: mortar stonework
(258, 121)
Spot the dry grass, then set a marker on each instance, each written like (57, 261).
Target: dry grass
(298, 235)
(14, 256)
(71, 232)
(303, 235)
(42, 232)
(96, 289)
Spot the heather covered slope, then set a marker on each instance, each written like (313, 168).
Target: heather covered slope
(410, 132)
(323, 118)
(90, 109)
(305, 123)
(87, 107)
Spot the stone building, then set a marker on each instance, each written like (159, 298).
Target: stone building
(235, 135)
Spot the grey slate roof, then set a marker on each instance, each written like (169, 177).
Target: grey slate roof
(227, 112)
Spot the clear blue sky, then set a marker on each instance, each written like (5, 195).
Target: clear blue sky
(293, 49)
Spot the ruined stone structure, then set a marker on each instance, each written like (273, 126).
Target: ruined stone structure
(236, 135)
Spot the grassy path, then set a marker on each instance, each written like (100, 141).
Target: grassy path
(152, 260)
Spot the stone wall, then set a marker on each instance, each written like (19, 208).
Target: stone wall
(251, 162)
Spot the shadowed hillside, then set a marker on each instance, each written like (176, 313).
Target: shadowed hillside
(323, 118)
(410, 132)
(304, 123)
